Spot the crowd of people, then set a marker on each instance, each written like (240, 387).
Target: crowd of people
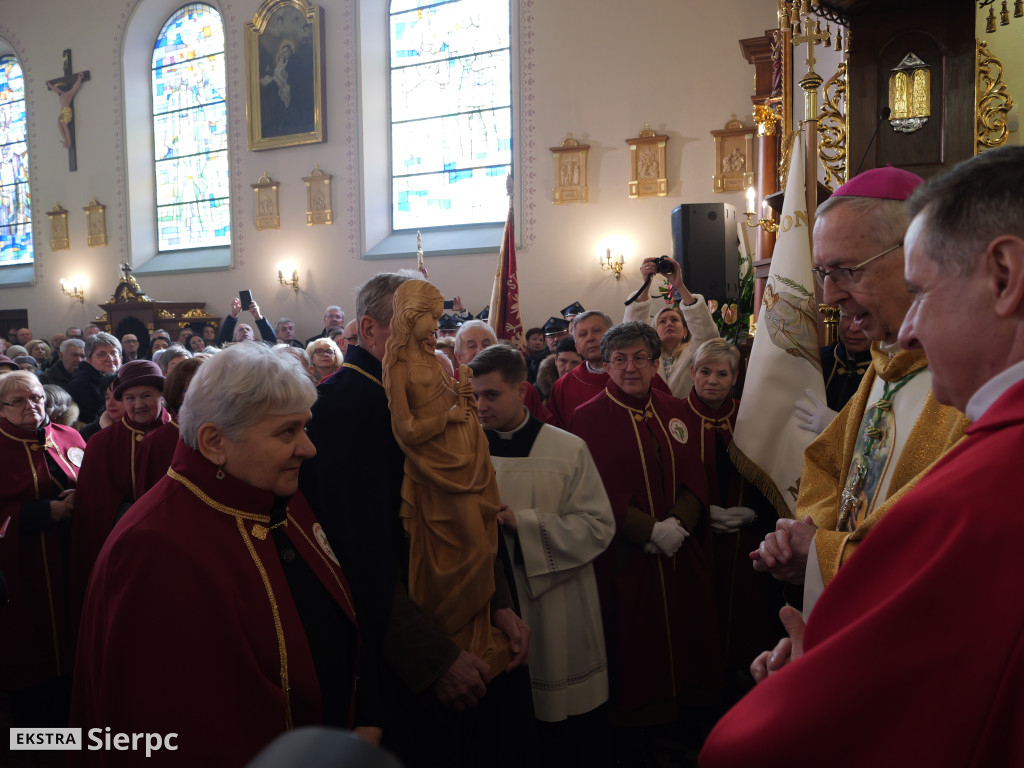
(469, 553)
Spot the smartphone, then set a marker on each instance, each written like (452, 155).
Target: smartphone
(245, 297)
(449, 305)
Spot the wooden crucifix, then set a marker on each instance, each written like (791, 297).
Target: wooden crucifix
(66, 86)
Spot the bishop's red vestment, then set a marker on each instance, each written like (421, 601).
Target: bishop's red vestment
(914, 655)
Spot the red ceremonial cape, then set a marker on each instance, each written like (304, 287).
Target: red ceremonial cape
(189, 626)
(748, 602)
(34, 635)
(914, 655)
(106, 487)
(659, 613)
(155, 454)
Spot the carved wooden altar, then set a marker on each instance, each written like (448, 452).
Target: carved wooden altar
(130, 310)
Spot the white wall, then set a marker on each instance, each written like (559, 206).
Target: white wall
(598, 68)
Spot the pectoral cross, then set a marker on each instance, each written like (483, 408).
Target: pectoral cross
(66, 86)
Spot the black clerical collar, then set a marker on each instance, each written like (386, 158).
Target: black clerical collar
(518, 443)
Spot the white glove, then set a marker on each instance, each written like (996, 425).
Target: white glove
(731, 519)
(666, 538)
(812, 414)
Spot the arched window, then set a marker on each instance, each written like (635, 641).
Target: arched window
(190, 133)
(15, 200)
(451, 112)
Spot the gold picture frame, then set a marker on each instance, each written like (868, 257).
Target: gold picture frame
(284, 70)
(319, 208)
(648, 177)
(734, 156)
(268, 211)
(96, 223)
(59, 239)
(570, 172)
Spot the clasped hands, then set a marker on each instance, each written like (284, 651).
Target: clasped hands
(783, 553)
(464, 683)
(667, 537)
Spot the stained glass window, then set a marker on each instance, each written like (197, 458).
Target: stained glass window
(15, 200)
(451, 112)
(190, 131)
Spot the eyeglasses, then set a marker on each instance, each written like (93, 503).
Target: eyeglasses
(847, 276)
(351, 339)
(621, 362)
(324, 352)
(20, 402)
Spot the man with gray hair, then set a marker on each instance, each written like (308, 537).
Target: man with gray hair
(351, 429)
(334, 317)
(72, 352)
(922, 630)
(473, 337)
(102, 355)
(285, 330)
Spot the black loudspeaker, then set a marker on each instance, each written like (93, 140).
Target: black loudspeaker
(704, 242)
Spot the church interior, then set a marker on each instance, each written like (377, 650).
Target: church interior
(598, 71)
(622, 120)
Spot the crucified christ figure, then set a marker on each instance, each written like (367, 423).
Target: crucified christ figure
(66, 97)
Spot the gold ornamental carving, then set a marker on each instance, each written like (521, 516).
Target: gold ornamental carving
(993, 101)
(96, 223)
(268, 212)
(833, 129)
(59, 239)
(648, 177)
(318, 198)
(570, 172)
(910, 86)
(163, 314)
(734, 157)
(767, 120)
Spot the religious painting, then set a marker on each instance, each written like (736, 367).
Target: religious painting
(570, 172)
(734, 157)
(285, 75)
(648, 176)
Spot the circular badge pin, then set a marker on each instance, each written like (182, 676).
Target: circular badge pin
(75, 456)
(321, 539)
(678, 430)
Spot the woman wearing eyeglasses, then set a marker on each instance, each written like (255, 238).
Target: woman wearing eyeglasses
(324, 357)
(37, 496)
(655, 578)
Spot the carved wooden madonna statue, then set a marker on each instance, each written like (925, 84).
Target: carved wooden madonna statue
(449, 495)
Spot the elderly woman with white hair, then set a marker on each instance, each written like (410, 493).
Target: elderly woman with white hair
(324, 357)
(217, 608)
(40, 464)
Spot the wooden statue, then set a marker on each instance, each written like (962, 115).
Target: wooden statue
(449, 495)
(66, 87)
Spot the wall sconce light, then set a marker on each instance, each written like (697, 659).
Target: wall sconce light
(73, 288)
(766, 223)
(608, 264)
(288, 268)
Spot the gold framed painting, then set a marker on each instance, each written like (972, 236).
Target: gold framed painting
(284, 69)
(648, 177)
(570, 172)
